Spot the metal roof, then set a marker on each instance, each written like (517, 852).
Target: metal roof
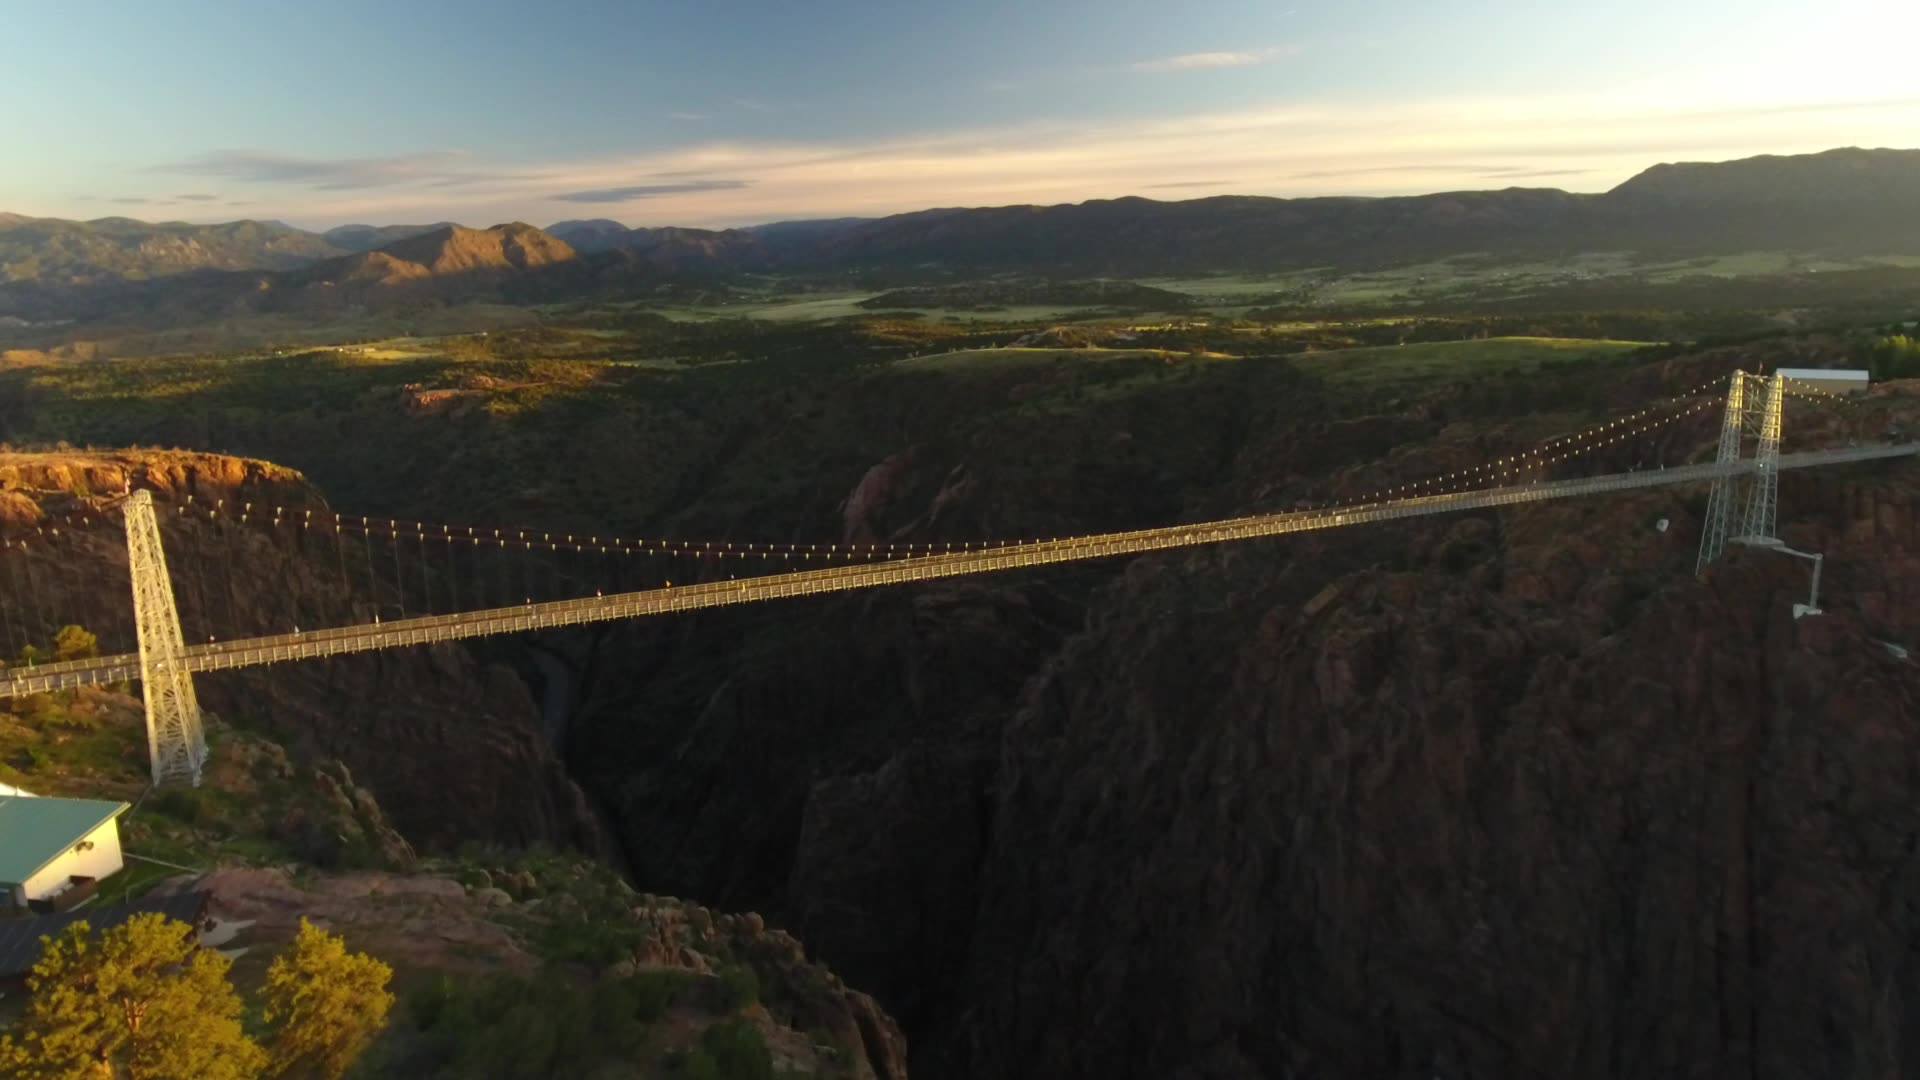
(1832, 380)
(20, 938)
(35, 831)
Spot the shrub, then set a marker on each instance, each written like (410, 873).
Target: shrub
(650, 994)
(545, 1026)
(185, 805)
(1895, 356)
(75, 643)
(739, 987)
(738, 1051)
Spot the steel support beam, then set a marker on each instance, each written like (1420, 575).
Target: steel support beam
(1763, 491)
(1727, 490)
(176, 743)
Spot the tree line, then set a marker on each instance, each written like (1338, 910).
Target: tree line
(142, 1001)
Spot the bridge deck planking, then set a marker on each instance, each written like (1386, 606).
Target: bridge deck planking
(337, 641)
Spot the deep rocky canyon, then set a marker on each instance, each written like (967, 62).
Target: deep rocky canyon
(1502, 794)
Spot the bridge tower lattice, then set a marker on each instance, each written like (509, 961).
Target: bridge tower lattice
(176, 742)
(1744, 504)
(1763, 491)
(1727, 489)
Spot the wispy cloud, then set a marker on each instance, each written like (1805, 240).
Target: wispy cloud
(1377, 170)
(649, 191)
(1292, 149)
(1532, 174)
(326, 174)
(1209, 61)
(131, 200)
(197, 198)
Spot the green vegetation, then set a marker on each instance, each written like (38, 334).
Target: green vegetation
(976, 360)
(143, 1000)
(548, 1025)
(999, 294)
(1399, 366)
(739, 987)
(1896, 356)
(75, 643)
(256, 806)
(327, 1003)
(729, 1050)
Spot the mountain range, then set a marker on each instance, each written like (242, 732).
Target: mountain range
(1843, 201)
(441, 252)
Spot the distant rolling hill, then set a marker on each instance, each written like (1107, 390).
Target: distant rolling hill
(56, 252)
(448, 252)
(368, 237)
(671, 248)
(590, 236)
(1847, 201)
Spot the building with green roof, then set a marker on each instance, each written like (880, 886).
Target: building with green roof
(49, 847)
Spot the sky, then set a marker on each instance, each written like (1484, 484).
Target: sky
(728, 112)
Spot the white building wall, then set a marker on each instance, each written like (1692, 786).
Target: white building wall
(101, 861)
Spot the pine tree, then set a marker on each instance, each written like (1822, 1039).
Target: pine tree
(141, 1001)
(329, 1004)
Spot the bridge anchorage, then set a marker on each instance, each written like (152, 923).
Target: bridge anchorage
(1741, 509)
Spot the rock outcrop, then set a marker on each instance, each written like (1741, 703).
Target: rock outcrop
(1603, 820)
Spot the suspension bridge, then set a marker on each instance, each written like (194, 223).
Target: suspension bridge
(1742, 508)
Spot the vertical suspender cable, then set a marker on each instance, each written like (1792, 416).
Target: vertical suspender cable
(533, 573)
(226, 572)
(71, 582)
(373, 583)
(526, 568)
(289, 559)
(11, 599)
(69, 604)
(453, 572)
(33, 592)
(399, 578)
(62, 603)
(99, 608)
(200, 607)
(346, 583)
(426, 582)
(306, 557)
(500, 560)
(525, 591)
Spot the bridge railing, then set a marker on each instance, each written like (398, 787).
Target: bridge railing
(285, 648)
